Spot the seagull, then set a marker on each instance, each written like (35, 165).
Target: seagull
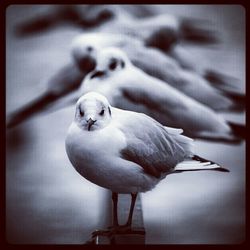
(68, 79)
(84, 16)
(220, 97)
(126, 152)
(128, 87)
(114, 18)
(84, 50)
(162, 31)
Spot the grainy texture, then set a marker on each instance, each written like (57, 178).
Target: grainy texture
(48, 202)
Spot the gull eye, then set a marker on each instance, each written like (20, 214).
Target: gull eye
(102, 112)
(113, 65)
(89, 48)
(81, 112)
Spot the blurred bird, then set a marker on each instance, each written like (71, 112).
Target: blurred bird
(84, 16)
(44, 18)
(85, 56)
(65, 81)
(162, 31)
(126, 152)
(84, 50)
(221, 97)
(128, 87)
(124, 19)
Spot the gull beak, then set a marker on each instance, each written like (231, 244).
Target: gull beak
(90, 122)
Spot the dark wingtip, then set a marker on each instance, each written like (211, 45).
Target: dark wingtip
(30, 109)
(198, 158)
(10, 123)
(221, 81)
(199, 31)
(222, 169)
(239, 101)
(33, 26)
(238, 130)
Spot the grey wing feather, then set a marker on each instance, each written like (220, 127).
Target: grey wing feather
(160, 98)
(173, 108)
(152, 146)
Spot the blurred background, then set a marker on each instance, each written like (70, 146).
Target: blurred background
(48, 202)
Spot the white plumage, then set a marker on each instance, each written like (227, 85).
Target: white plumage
(125, 151)
(155, 63)
(127, 87)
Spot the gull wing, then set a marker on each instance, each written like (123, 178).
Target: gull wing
(172, 108)
(157, 149)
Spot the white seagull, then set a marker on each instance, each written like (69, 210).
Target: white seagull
(124, 19)
(125, 151)
(85, 16)
(169, 28)
(162, 31)
(128, 87)
(152, 61)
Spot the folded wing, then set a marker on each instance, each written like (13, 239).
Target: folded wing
(157, 149)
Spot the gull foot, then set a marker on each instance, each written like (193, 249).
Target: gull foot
(113, 230)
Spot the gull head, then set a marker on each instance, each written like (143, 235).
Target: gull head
(93, 112)
(84, 51)
(109, 61)
(97, 14)
(163, 38)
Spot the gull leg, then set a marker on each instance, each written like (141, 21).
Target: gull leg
(115, 202)
(117, 229)
(131, 210)
(113, 228)
(127, 228)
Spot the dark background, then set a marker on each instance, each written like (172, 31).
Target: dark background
(48, 202)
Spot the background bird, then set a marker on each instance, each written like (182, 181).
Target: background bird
(126, 152)
(64, 82)
(163, 34)
(128, 87)
(112, 18)
(65, 208)
(83, 16)
(162, 66)
(154, 62)
(122, 19)
(161, 31)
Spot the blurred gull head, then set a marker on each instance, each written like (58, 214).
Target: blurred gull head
(109, 61)
(84, 51)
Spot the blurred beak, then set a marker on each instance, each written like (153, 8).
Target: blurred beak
(90, 122)
(97, 74)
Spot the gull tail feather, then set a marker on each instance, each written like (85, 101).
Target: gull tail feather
(196, 163)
